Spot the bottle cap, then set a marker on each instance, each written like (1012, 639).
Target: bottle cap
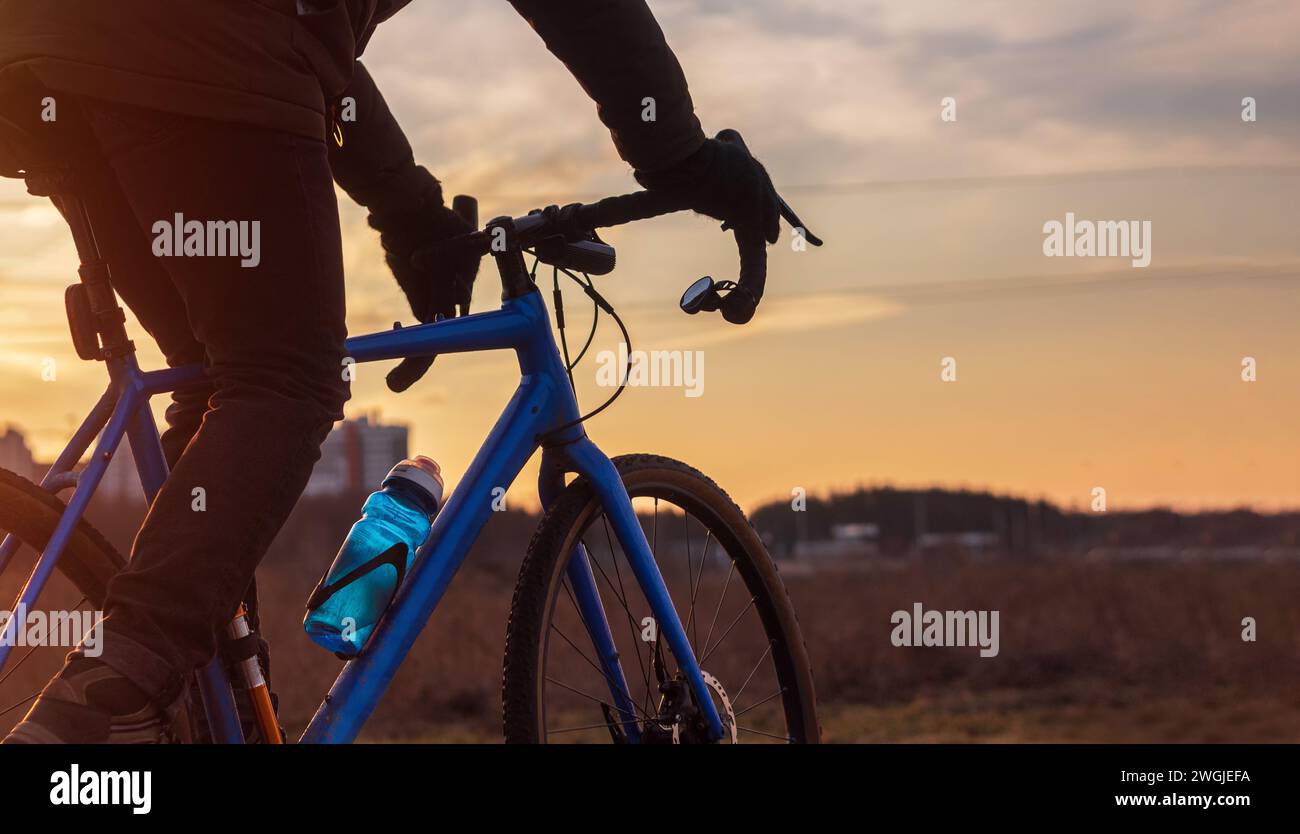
(423, 472)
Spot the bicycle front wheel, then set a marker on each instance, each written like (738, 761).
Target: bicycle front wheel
(727, 593)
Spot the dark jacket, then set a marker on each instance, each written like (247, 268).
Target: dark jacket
(282, 63)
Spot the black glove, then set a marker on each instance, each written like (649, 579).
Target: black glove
(435, 287)
(441, 287)
(723, 181)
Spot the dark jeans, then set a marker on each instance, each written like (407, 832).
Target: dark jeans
(242, 446)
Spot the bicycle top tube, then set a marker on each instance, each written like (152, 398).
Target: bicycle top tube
(509, 327)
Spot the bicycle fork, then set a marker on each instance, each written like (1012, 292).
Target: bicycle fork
(600, 470)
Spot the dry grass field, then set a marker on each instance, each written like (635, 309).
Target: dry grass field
(1089, 651)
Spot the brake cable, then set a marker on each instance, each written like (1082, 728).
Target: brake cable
(600, 303)
(569, 365)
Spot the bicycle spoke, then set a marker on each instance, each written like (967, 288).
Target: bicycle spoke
(622, 599)
(12, 707)
(699, 580)
(761, 733)
(20, 662)
(636, 635)
(718, 610)
(575, 690)
(780, 691)
(761, 657)
(615, 591)
(580, 652)
(593, 664)
(745, 610)
(606, 725)
(690, 580)
(583, 621)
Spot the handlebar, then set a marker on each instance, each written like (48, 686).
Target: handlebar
(565, 236)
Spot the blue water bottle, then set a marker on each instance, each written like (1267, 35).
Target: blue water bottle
(352, 596)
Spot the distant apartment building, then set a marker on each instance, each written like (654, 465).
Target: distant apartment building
(14, 454)
(356, 456)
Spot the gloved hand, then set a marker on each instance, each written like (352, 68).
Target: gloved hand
(435, 287)
(441, 287)
(723, 181)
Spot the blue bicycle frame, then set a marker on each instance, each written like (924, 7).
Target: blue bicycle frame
(542, 413)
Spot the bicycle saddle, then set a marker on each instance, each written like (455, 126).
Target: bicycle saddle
(37, 151)
(23, 157)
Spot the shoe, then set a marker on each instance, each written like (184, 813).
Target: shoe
(90, 703)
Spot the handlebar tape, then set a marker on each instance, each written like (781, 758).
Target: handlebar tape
(739, 305)
(628, 208)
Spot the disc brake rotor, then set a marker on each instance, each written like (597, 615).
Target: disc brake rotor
(726, 713)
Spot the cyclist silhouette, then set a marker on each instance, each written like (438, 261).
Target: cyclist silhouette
(227, 113)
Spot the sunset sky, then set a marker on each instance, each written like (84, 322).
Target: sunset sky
(1072, 372)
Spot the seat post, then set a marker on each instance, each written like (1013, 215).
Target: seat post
(54, 157)
(99, 301)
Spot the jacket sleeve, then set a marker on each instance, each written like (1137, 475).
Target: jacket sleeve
(617, 52)
(375, 165)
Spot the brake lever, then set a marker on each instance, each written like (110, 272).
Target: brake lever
(733, 137)
(795, 223)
